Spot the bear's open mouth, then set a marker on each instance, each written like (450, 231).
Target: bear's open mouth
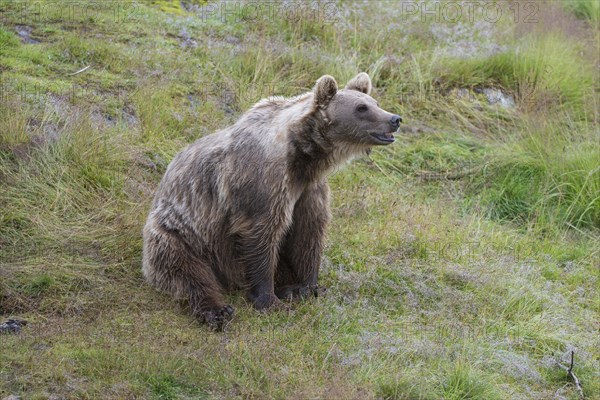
(384, 138)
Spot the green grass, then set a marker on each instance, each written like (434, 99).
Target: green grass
(461, 261)
(463, 383)
(552, 182)
(585, 9)
(542, 71)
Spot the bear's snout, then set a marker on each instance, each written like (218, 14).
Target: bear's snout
(395, 121)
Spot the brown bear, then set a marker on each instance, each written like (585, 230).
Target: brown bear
(247, 207)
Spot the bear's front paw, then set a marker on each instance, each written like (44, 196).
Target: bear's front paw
(267, 302)
(217, 318)
(318, 291)
(297, 292)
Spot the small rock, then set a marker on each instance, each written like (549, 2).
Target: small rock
(12, 326)
(462, 93)
(24, 33)
(187, 40)
(496, 96)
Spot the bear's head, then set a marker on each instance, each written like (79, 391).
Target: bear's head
(353, 116)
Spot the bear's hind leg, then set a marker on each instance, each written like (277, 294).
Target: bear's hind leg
(171, 265)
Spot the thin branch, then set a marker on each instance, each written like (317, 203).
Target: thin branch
(80, 71)
(571, 374)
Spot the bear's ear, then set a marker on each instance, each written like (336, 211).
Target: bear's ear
(360, 82)
(325, 89)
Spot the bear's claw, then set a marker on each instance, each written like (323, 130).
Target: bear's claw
(296, 292)
(218, 317)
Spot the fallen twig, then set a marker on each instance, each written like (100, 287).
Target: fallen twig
(80, 71)
(571, 374)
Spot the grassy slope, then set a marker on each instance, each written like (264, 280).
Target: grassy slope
(470, 287)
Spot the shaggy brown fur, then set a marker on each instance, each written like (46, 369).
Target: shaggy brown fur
(247, 207)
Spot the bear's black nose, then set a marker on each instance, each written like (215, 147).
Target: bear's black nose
(395, 121)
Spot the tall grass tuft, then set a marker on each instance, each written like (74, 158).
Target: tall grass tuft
(544, 73)
(549, 175)
(585, 9)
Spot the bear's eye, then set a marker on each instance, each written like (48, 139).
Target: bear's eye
(362, 108)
